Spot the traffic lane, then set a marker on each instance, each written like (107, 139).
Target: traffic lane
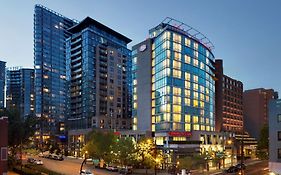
(72, 167)
(260, 168)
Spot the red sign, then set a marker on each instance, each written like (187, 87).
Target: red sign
(117, 133)
(179, 134)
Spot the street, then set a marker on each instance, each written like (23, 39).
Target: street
(71, 166)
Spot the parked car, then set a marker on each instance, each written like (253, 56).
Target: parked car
(126, 170)
(112, 168)
(232, 169)
(38, 162)
(31, 160)
(241, 166)
(86, 172)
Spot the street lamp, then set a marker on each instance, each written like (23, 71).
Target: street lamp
(84, 161)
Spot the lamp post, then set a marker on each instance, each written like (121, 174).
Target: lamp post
(84, 161)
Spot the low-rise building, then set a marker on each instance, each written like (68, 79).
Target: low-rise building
(3, 145)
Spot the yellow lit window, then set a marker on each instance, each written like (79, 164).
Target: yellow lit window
(196, 54)
(135, 120)
(166, 63)
(153, 70)
(45, 89)
(195, 45)
(187, 127)
(177, 117)
(153, 86)
(166, 108)
(195, 119)
(207, 91)
(195, 103)
(207, 128)
(159, 140)
(166, 45)
(187, 42)
(195, 87)
(166, 35)
(196, 127)
(177, 56)
(153, 94)
(187, 93)
(187, 118)
(135, 89)
(201, 96)
(176, 73)
(158, 118)
(176, 126)
(195, 78)
(177, 47)
(168, 89)
(187, 76)
(153, 127)
(187, 101)
(195, 62)
(153, 46)
(134, 82)
(153, 119)
(135, 97)
(168, 54)
(167, 116)
(201, 104)
(153, 103)
(195, 95)
(187, 59)
(202, 89)
(179, 138)
(176, 108)
(152, 79)
(153, 54)
(176, 37)
(176, 64)
(207, 98)
(202, 65)
(176, 100)
(176, 91)
(201, 119)
(187, 84)
(202, 127)
(135, 105)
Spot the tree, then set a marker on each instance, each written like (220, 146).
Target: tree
(125, 151)
(262, 148)
(20, 131)
(146, 151)
(100, 145)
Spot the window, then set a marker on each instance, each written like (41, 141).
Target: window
(176, 91)
(177, 47)
(196, 127)
(187, 76)
(187, 42)
(278, 118)
(176, 64)
(177, 56)
(187, 127)
(187, 118)
(176, 37)
(177, 117)
(176, 73)
(195, 119)
(279, 135)
(187, 59)
(279, 153)
(4, 153)
(176, 100)
(176, 108)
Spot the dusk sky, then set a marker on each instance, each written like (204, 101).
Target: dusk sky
(246, 34)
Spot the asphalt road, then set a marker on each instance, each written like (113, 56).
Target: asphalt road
(72, 167)
(260, 168)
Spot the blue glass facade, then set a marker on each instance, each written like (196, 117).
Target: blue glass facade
(182, 84)
(20, 90)
(2, 82)
(50, 69)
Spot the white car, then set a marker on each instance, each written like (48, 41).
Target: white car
(86, 172)
(38, 162)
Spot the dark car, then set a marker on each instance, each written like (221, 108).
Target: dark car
(241, 166)
(31, 160)
(126, 171)
(232, 169)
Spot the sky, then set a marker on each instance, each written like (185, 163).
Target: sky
(246, 34)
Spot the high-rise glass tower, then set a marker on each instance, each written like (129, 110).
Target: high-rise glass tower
(20, 90)
(173, 83)
(99, 79)
(50, 73)
(2, 83)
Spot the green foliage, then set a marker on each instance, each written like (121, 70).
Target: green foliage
(146, 152)
(100, 145)
(262, 148)
(124, 152)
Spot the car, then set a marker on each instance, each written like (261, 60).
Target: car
(232, 169)
(241, 166)
(112, 168)
(126, 170)
(86, 172)
(38, 162)
(31, 160)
